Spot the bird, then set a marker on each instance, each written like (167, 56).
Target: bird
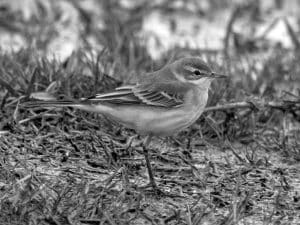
(161, 103)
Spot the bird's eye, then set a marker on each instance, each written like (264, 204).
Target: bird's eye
(197, 72)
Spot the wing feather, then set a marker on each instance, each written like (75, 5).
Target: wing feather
(136, 95)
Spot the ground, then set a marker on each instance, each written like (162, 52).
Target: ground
(238, 164)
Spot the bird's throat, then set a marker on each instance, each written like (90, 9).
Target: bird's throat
(196, 99)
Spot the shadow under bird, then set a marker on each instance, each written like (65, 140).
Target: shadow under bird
(161, 103)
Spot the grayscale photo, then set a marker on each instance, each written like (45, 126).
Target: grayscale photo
(161, 112)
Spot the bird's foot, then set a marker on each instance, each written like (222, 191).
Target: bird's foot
(153, 188)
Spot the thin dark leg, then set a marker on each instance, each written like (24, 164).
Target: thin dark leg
(153, 184)
(146, 155)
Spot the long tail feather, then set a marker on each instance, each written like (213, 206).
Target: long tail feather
(52, 103)
(82, 105)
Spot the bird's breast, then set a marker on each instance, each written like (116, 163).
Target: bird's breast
(171, 121)
(194, 104)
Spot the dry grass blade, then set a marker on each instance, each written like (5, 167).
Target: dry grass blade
(4, 99)
(269, 28)
(237, 211)
(188, 215)
(8, 87)
(235, 152)
(16, 113)
(30, 87)
(292, 33)
(234, 16)
(52, 88)
(45, 96)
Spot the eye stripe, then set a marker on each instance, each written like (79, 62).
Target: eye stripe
(193, 69)
(189, 68)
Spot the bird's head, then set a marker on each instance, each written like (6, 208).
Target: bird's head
(194, 70)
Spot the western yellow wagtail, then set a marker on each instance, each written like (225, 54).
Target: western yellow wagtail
(162, 103)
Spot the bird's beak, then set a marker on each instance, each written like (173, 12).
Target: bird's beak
(217, 75)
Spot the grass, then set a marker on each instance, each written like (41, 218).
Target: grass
(64, 166)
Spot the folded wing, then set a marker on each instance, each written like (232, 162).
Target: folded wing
(137, 95)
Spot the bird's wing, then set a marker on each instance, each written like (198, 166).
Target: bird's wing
(137, 95)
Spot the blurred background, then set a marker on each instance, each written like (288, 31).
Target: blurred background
(57, 28)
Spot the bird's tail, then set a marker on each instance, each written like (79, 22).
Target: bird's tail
(44, 100)
(50, 103)
(80, 104)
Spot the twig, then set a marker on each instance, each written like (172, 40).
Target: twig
(235, 153)
(283, 105)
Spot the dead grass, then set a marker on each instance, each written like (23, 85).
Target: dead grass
(234, 166)
(69, 167)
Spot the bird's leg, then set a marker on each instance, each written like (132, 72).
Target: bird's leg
(152, 183)
(146, 155)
